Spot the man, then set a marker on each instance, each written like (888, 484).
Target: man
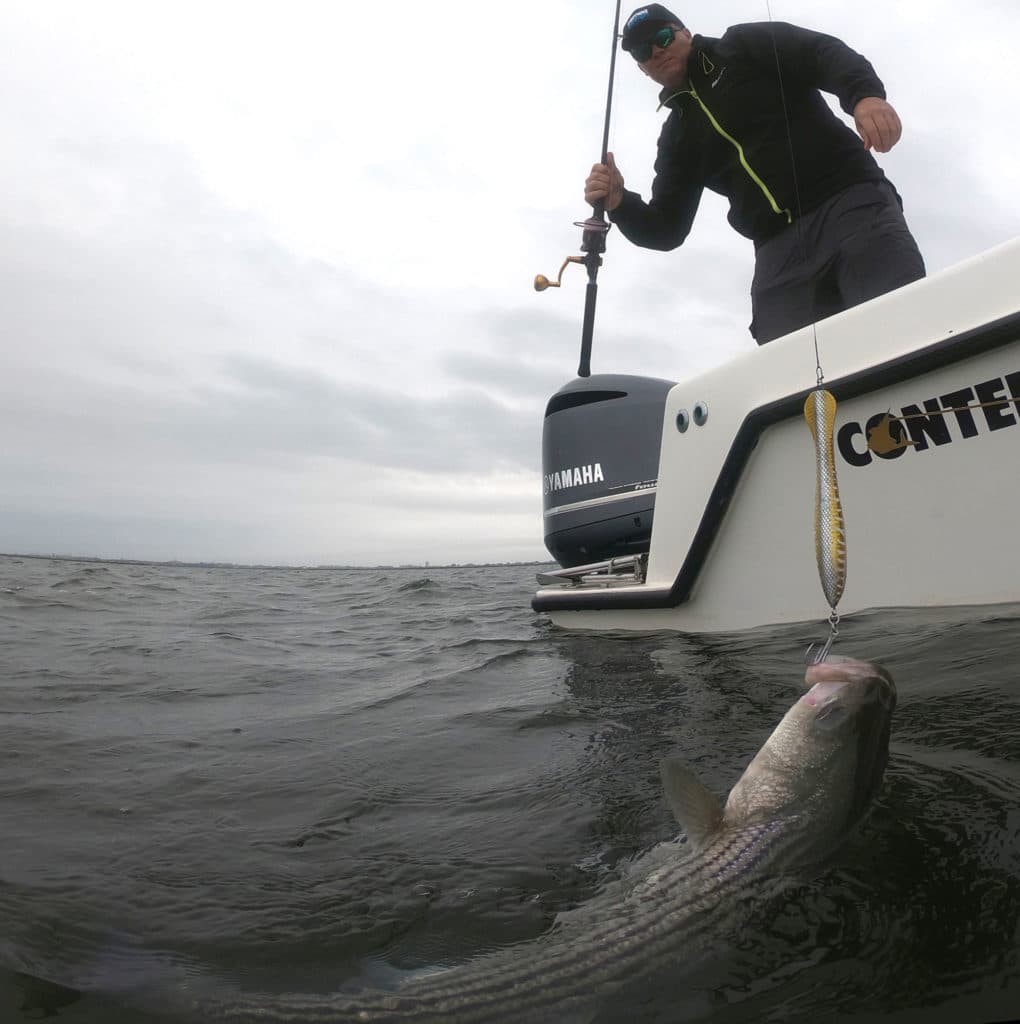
(747, 120)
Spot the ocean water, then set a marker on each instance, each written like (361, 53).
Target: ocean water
(307, 780)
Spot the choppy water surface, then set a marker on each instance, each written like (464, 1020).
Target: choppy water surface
(304, 780)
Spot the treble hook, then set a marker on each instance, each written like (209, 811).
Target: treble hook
(827, 646)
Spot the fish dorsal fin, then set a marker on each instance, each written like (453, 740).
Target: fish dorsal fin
(696, 809)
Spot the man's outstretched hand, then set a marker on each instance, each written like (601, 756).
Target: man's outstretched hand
(878, 124)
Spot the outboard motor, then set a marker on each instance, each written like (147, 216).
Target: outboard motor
(600, 466)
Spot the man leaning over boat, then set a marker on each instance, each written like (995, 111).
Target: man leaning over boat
(747, 120)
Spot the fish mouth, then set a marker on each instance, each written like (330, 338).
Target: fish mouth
(847, 679)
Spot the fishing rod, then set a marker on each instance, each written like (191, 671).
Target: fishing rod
(593, 232)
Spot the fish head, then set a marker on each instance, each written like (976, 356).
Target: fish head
(824, 762)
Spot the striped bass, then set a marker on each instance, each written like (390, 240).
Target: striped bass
(811, 782)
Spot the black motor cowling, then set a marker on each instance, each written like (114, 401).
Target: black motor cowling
(600, 464)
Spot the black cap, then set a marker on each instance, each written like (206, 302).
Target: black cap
(645, 22)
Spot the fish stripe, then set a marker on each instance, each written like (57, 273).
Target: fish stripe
(576, 961)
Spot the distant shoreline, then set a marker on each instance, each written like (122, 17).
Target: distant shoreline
(257, 565)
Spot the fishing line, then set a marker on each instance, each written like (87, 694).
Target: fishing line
(819, 375)
(820, 414)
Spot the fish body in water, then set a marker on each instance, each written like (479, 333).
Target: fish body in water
(811, 782)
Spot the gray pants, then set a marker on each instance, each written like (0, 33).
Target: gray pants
(848, 250)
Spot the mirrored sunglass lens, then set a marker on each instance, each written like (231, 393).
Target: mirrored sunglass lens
(662, 39)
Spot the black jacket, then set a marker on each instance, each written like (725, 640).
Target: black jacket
(732, 131)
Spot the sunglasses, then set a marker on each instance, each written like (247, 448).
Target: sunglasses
(662, 38)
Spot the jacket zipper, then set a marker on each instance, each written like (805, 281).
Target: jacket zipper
(743, 159)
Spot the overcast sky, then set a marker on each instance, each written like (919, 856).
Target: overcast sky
(265, 268)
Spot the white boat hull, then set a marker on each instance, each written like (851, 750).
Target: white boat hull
(931, 523)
